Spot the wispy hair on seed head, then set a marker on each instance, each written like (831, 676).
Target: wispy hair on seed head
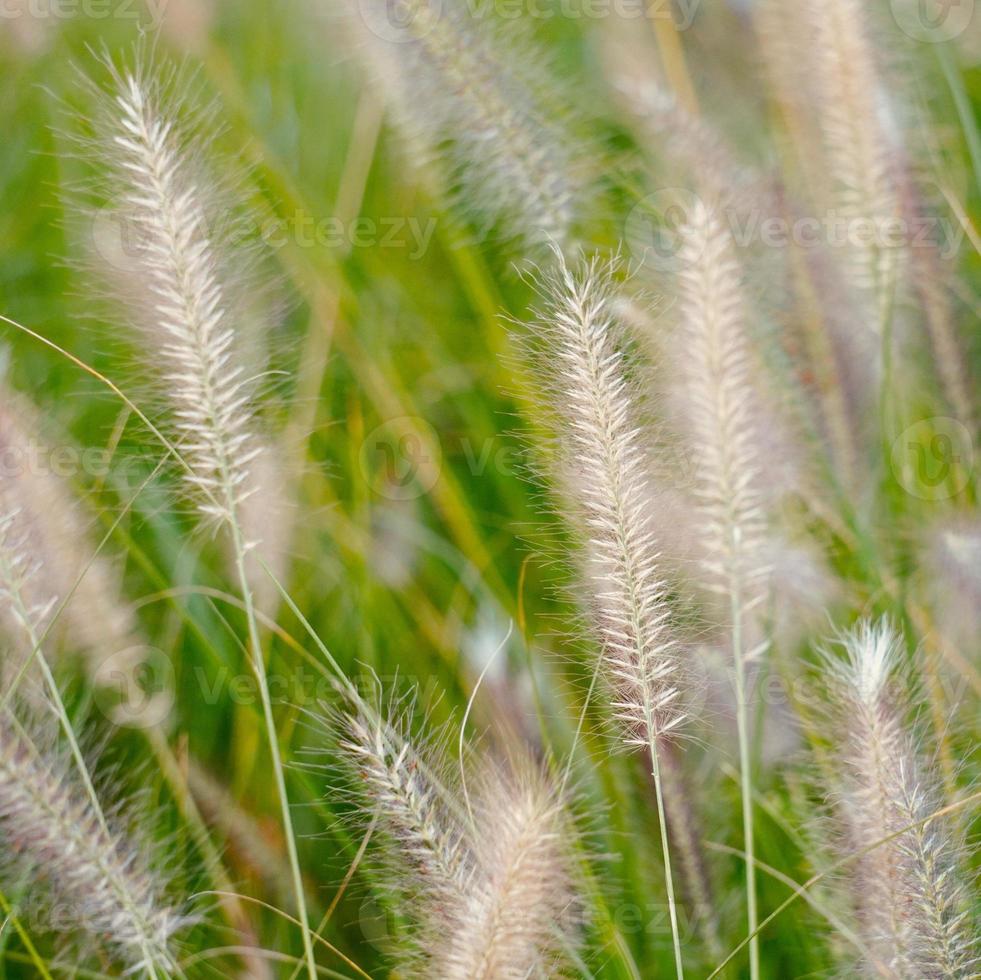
(518, 916)
(175, 278)
(47, 547)
(603, 465)
(714, 356)
(485, 875)
(101, 874)
(906, 889)
(470, 92)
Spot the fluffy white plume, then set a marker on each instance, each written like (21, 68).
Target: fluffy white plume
(851, 104)
(459, 88)
(487, 873)
(905, 889)
(715, 362)
(47, 556)
(516, 918)
(603, 462)
(176, 281)
(102, 878)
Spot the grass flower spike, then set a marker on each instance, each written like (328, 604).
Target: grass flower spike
(856, 143)
(487, 877)
(905, 884)
(603, 463)
(517, 917)
(47, 548)
(101, 876)
(717, 395)
(185, 310)
(415, 808)
(462, 88)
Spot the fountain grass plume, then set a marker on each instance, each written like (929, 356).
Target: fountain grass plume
(907, 892)
(101, 876)
(469, 91)
(485, 873)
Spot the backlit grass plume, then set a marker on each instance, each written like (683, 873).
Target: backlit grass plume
(714, 354)
(603, 467)
(467, 89)
(416, 809)
(486, 874)
(48, 547)
(25, 605)
(904, 882)
(100, 878)
(175, 281)
(518, 916)
(850, 101)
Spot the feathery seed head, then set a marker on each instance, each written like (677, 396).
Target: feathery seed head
(850, 101)
(26, 606)
(104, 878)
(406, 785)
(461, 91)
(47, 558)
(904, 885)
(487, 871)
(602, 455)
(516, 918)
(717, 393)
(177, 283)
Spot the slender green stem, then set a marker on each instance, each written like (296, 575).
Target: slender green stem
(746, 779)
(665, 848)
(259, 666)
(35, 958)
